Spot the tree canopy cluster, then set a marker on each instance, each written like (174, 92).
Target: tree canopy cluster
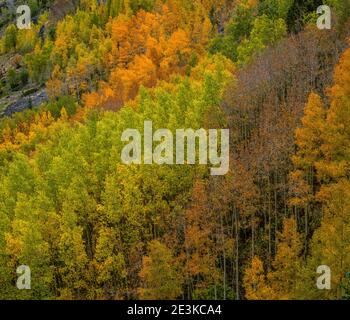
(91, 227)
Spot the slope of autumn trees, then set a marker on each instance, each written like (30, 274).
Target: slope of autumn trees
(91, 227)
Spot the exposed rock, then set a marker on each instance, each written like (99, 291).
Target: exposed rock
(32, 101)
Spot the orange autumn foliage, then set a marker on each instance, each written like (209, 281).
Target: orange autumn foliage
(146, 48)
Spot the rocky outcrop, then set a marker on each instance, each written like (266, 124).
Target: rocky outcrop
(31, 101)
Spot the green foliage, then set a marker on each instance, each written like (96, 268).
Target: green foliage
(342, 8)
(214, 292)
(146, 5)
(299, 13)
(252, 29)
(24, 76)
(265, 32)
(39, 64)
(275, 9)
(89, 217)
(12, 78)
(66, 102)
(238, 28)
(34, 7)
(17, 79)
(91, 227)
(10, 38)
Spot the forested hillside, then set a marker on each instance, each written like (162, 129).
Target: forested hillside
(91, 227)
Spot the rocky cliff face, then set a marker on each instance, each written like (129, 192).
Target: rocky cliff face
(28, 102)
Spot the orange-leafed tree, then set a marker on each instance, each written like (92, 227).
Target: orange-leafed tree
(255, 282)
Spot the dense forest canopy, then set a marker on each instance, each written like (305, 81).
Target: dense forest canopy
(92, 227)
